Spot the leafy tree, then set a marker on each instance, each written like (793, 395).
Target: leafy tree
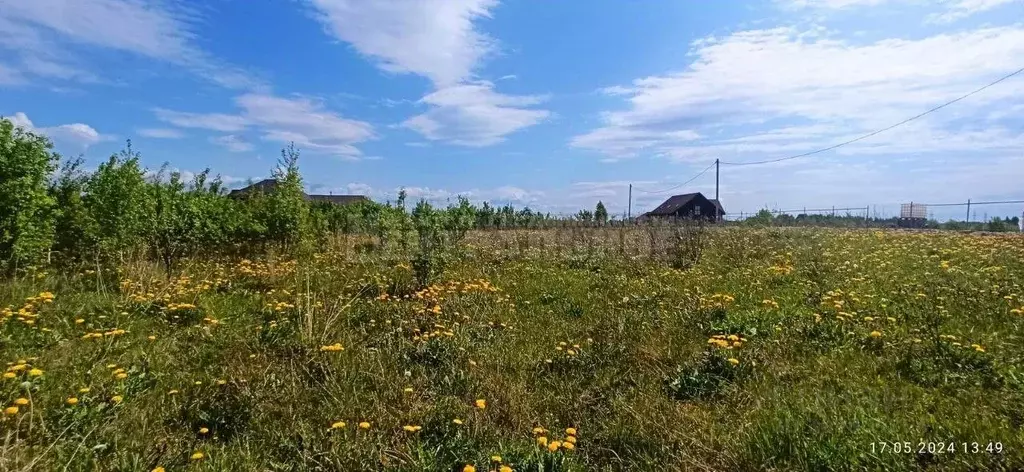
(585, 215)
(75, 230)
(485, 216)
(459, 219)
(763, 217)
(118, 201)
(26, 219)
(285, 210)
(600, 213)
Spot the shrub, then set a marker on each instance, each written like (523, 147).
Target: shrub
(26, 222)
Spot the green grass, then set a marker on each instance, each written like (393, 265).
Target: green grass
(811, 388)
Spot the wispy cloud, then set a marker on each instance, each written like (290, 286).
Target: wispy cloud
(39, 32)
(232, 143)
(945, 11)
(160, 133)
(302, 120)
(788, 90)
(437, 40)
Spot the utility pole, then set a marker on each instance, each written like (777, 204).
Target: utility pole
(968, 210)
(716, 191)
(629, 207)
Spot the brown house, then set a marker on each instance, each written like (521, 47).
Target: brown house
(267, 185)
(690, 205)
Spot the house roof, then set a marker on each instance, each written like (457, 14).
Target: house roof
(721, 210)
(263, 185)
(337, 199)
(673, 204)
(267, 185)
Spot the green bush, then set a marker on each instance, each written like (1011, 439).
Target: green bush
(26, 219)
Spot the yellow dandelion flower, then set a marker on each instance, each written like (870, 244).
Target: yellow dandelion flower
(412, 428)
(469, 468)
(35, 373)
(204, 430)
(505, 468)
(495, 458)
(457, 421)
(121, 376)
(10, 375)
(172, 392)
(71, 401)
(538, 430)
(84, 390)
(151, 338)
(197, 456)
(542, 441)
(568, 446)
(111, 366)
(554, 445)
(481, 403)
(876, 334)
(11, 410)
(570, 439)
(79, 321)
(407, 390)
(364, 425)
(21, 401)
(159, 469)
(734, 361)
(570, 431)
(338, 425)
(117, 399)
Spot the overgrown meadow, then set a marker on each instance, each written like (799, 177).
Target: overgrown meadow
(151, 324)
(779, 349)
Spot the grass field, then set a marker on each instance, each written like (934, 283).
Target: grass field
(780, 349)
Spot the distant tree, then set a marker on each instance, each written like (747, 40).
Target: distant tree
(600, 213)
(762, 218)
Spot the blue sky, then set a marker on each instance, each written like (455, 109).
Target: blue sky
(555, 105)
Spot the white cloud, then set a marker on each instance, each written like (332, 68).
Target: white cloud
(160, 133)
(475, 115)
(965, 8)
(212, 121)
(9, 76)
(39, 31)
(76, 136)
(232, 143)
(301, 120)
(436, 39)
(792, 90)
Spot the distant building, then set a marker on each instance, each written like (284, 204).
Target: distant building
(913, 215)
(690, 205)
(267, 185)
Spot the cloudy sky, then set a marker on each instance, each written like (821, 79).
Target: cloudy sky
(555, 105)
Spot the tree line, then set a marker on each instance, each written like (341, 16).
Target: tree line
(54, 211)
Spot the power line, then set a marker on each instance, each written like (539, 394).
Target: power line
(680, 185)
(908, 120)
